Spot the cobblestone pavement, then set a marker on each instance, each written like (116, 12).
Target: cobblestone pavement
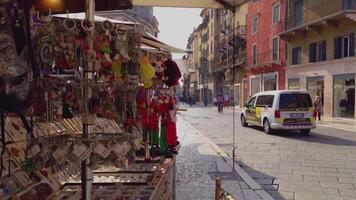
(198, 164)
(288, 165)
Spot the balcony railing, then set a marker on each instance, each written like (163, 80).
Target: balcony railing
(264, 58)
(323, 9)
(223, 65)
(240, 31)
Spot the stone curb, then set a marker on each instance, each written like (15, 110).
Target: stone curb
(242, 173)
(337, 128)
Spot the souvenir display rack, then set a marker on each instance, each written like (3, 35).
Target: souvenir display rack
(97, 103)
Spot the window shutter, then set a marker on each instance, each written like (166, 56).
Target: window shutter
(323, 50)
(352, 45)
(312, 52)
(337, 47)
(295, 56)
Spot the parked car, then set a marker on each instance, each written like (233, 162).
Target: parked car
(280, 110)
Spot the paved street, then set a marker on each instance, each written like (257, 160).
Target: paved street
(287, 165)
(199, 164)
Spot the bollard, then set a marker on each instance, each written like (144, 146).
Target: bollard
(217, 188)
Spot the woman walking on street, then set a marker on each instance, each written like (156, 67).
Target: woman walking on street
(220, 104)
(317, 107)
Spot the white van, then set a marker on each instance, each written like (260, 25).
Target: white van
(280, 110)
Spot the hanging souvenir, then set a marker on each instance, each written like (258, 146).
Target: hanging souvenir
(122, 45)
(147, 72)
(172, 72)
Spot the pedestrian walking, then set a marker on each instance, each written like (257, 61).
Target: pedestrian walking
(317, 107)
(226, 101)
(220, 104)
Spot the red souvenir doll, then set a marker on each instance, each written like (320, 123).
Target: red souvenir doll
(171, 130)
(142, 113)
(164, 111)
(153, 121)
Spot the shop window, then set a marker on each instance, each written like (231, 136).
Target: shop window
(270, 81)
(315, 86)
(293, 84)
(254, 54)
(344, 46)
(255, 85)
(317, 51)
(344, 95)
(275, 48)
(265, 100)
(276, 13)
(255, 25)
(296, 55)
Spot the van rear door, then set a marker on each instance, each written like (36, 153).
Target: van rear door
(296, 109)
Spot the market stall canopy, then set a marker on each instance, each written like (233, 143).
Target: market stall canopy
(188, 3)
(62, 6)
(81, 16)
(154, 42)
(182, 65)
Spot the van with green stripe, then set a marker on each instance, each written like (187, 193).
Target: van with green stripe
(280, 110)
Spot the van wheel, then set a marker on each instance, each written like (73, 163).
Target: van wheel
(243, 121)
(305, 131)
(267, 127)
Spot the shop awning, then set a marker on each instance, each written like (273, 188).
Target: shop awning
(182, 65)
(154, 42)
(187, 3)
(178, 3)
(150, 42)
(81, 16)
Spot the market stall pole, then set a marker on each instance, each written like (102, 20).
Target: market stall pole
(232, 84)
(86, 172)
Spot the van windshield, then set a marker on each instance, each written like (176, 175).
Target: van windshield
(294, 101)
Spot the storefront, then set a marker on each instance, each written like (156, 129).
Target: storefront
(329, 81)
(102, 116)
(270, 81)
(344, 95)
(255, 84)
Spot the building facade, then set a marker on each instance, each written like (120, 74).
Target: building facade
(230, 68)
(321, 47)
(265, 51)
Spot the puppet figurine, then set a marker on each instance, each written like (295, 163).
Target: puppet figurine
(164, 111)
(153, 121)
(172, 72)
(171, 130)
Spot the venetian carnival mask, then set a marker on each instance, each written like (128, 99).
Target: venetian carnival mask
(15, 68)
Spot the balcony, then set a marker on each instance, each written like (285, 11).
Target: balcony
(265, 59)
(240, 59)
(239, 31)
(313, 18)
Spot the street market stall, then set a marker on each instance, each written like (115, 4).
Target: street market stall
(87, 107)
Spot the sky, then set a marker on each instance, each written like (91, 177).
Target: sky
(176, 25)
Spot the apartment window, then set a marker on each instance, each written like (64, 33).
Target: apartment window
(275, 48)
(296, 55)
(344, 46)
(317, 51)
(255, 25)
(276, 13)
(254, 54)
